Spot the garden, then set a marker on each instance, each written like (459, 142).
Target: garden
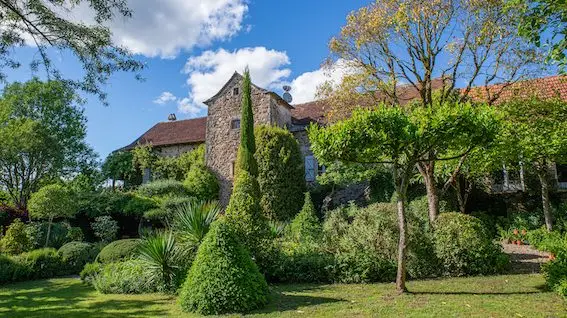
(430, 237)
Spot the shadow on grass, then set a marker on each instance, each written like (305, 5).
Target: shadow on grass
(46, 298)
(292, 297)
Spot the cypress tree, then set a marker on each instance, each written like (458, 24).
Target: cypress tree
(306, 227)
(245, 157)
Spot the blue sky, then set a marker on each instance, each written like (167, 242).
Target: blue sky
(279, 40)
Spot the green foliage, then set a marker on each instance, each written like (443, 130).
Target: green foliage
(201, 183)
(43, 136)
(464, 246)
(74, 255)
(163, 188)
(305, 263)
(52, 201)
(167, 209)
(105, 228)
(553, 242)
(365, 243)
(245, 160)
(118, 251)
(306, 225)
(127, 277)
(164, 260)
(38, 264)
(16, 240)
(555, 271)
(59, 234)
(277, 228)
(245, 215)
(90, 270)
(75, 234)
(138, 205)
(193, 220)
(280, 172)
(118, 165)
(223, 277)
(7, 269)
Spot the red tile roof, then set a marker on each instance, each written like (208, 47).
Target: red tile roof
(545, 87)
(186, 131)
(193, 130)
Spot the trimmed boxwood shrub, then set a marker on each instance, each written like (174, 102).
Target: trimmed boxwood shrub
(223, 277)
(118, 250)
(363, 267)
(128, 277)
(306, 225)
(465, 247)
(302, 264)
(90, 271)
(16, 240)
(7, 269)
(280, 172)
(74, 255)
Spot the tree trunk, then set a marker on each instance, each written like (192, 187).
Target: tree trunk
(48, 231)
(401, 188)
(427, 171)
(542, 174)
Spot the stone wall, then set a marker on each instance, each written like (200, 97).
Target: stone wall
(221, 140)
(175, 150)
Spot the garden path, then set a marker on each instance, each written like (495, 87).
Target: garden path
(524, 258)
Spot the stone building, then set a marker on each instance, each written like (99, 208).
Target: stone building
(220, 132)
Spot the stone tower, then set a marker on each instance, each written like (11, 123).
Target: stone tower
(223, 127)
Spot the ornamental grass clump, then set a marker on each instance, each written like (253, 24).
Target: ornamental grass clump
(223, 278)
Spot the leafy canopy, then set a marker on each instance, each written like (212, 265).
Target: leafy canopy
(52, 201)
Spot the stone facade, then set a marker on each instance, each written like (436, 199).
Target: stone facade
(175, 150)
(223, 127)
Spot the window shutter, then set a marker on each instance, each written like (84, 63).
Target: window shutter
(310, 168)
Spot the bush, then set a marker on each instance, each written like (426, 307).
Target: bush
(223, 277)
(118, 251)
(305, 263)
(246, 218)
(75, 234)
(167, 209)
(280, 172)
(163, 188)
(556, 270)
(201, 183)
(16, 240)
(37, 232)
(561, 288)
(138, 205)
(7, 269)
(128, 277)
(164, 260)
(38, 264)
(464, 246)
(74, 255)
(192, 220)
(90, 270)
(365, 243)
(306, 226)
(105, 228)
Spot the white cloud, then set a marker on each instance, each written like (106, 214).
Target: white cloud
(208, 72)
(165, 98)
(304, 87)
(165, 27)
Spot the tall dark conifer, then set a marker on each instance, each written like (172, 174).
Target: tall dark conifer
(246, 160)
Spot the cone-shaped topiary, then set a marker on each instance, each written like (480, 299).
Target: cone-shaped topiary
(245, 215)
(223, 278)
(306, 226)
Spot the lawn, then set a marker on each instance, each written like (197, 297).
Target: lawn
(495, 296)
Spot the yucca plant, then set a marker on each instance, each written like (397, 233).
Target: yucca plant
(163, 257)
(193, 220)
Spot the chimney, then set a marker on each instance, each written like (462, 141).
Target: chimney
(172, 117)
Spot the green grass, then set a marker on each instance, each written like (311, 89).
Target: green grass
(494, 296)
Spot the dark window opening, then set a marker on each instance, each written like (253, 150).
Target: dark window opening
(235, 124)
(235, 91)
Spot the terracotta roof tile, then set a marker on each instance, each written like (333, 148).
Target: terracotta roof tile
(186, 131)
(545, 87)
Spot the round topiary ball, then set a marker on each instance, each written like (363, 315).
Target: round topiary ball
(75, 255)
(223, 278)
(118, 251)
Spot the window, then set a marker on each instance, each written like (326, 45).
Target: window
(310, 168)
(235, 124)
(235, 91)
(232, 167)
